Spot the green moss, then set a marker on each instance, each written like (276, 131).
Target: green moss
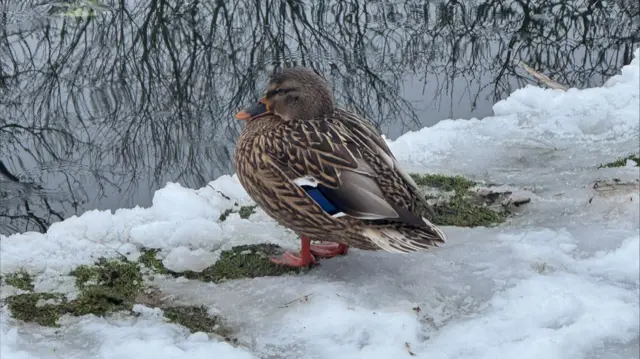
(225, 214)
(24, 307)
(460, 211)
(115, 285)
(196, 319)
(243, 211)
(246, 211)
(621, 162)
(246, 261)
(150, 260)
(443, 183)
(107, 287)
(457, 205)
(21, 280)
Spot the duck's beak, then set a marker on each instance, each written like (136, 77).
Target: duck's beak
(259, 109)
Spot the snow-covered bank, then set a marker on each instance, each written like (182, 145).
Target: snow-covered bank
(561, 281)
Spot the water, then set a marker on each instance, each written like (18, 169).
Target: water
(101, 106)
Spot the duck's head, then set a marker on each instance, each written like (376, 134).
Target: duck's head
(295, 93)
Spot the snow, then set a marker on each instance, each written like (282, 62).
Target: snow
(559, 281)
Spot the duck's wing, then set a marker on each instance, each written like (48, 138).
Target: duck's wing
(325, 158)
(369, 134)
(364, 129)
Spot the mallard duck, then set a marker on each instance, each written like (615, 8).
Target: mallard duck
(326, 174)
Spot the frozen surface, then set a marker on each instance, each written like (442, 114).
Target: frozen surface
(559, 281)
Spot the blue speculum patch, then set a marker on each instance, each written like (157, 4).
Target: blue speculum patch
(321, 199)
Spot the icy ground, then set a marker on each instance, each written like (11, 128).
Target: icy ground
(559, 281)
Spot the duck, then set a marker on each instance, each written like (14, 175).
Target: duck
(327, 174)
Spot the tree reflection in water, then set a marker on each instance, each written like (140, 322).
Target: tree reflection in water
(98, 111)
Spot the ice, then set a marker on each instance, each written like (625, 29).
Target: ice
(561, 280)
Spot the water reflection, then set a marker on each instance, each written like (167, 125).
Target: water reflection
(99, 107)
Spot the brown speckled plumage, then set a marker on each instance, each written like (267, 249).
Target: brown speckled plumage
(344, 154)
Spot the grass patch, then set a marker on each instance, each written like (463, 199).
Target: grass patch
(196, 319)
(107, 287)
(246, 261)
(621, 162)
(111, 286)
(150, 260)
(443, 183)
(246, 211)
(455, 203)
(21, 280)
(462, 212)
(29, 307)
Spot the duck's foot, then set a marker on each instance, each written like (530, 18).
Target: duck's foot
(329, 250)
(305, 258)
(293, 260)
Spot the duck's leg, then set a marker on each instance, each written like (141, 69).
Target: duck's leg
(292, 260)
(329, 250)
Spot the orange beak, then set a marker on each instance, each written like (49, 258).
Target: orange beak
(259, 109)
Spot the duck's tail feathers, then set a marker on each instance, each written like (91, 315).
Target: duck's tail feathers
(406, 239)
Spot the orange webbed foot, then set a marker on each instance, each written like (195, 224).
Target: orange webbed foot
(305, 258)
